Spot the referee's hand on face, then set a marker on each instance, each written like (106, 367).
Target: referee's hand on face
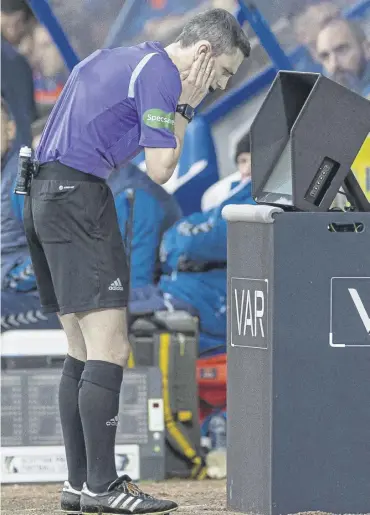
(196, 84)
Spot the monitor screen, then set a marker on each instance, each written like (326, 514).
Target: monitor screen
(279, 188)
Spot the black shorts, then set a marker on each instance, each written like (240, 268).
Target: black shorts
(76, 246)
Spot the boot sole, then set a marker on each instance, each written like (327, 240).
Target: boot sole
(147, 513)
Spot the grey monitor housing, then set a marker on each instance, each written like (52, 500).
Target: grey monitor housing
(304, 140)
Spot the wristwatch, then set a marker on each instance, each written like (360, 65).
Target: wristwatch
(186, 111)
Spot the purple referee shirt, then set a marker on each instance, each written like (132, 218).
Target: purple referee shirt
(115, 103)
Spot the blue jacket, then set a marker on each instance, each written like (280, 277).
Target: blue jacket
(13, 239)
(205, 291)
(154, 212)
(201, 237)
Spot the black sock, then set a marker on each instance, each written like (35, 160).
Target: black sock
(71, 421)
(99, 404)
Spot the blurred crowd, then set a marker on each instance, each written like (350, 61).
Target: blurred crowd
(315, 33)
(172, 266)
(30, 59)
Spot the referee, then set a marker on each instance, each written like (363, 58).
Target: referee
(115, 103)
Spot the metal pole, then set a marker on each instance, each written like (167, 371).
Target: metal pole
(264, 33)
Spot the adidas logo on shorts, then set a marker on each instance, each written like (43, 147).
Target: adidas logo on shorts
(112, 422)
(116, 285)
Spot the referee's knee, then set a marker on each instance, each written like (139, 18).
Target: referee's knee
(117, 353)
(105, 333)
(75, 338)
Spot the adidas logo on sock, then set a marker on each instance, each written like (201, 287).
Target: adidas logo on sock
(112, 422)
(116, 285)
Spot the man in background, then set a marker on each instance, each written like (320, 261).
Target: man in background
(344, 52)
(307, 23)
(243, 158)
(225, 188)
(16, 75)
(17, 90)
(49, 71)
(17, 20)
(13, 238)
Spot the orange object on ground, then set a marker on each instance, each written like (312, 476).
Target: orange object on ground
(212, 379)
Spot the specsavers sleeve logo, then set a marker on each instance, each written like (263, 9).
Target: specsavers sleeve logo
(158, 119)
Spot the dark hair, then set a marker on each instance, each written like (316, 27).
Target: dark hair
(219, 28)
(13, 6)
(243, 145)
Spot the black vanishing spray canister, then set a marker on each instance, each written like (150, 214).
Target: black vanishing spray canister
(25, 171)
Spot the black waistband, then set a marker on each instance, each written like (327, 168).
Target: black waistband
(60, 172)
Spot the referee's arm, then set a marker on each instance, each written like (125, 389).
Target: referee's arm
(161, 162)
(162, 129)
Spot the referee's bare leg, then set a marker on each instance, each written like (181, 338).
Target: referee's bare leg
(108, 349)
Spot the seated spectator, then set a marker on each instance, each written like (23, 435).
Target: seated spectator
(230, 185)
(17, 20)
(344, 52)
(200, 239)
(49, 71)
(194, 253)
(17, 90)
(307, 23)
(13, 238)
